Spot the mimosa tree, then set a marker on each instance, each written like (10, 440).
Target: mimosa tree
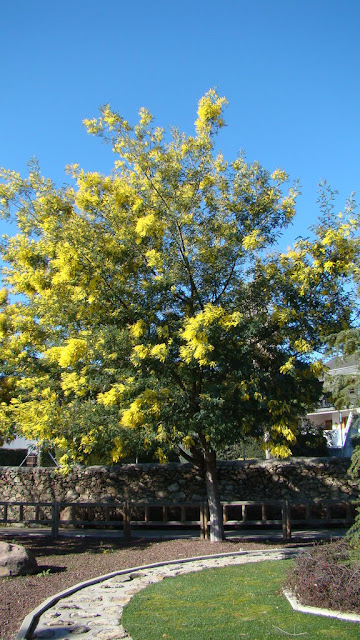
(152, 308)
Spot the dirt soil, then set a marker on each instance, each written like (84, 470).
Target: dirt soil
(67, 561)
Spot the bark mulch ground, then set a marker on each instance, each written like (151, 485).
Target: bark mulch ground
(67, 561)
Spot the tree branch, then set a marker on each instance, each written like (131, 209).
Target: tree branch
(194, 457)
(226, 283)
(187, 266)
(188, 457)
(182, 243)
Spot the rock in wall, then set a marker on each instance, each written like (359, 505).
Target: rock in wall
(302, 478)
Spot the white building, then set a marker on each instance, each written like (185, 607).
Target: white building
(339, 426)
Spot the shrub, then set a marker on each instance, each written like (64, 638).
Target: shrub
(327, 576)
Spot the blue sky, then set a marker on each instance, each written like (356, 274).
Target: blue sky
(289, 69)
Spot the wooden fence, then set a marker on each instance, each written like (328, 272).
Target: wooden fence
(127, 516)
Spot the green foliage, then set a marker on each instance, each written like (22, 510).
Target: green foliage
(345, 392)
(310, 441)
(345, 389)
(12, 457)
(246, 449)
(149, 308)
(354, 471)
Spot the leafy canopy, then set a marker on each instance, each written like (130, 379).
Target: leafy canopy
(151, 308)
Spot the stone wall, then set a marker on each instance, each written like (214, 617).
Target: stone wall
(305, 478)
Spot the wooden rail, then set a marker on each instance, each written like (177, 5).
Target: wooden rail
(128, 515)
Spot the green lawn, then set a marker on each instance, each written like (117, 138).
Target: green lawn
(243, 601)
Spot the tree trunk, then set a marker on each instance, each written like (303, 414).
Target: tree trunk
(213, 496)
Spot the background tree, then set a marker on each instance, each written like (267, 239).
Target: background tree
(344, 389)
(151, 312)
(7, 385)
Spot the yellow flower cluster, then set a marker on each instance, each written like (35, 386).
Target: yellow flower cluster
(75, 349)
(154, 259)
(148, 404)
(198, 329)
(141, 352)
(118, 451)
(284, 431)
(252, 241)
(74, 383)
(279, 175)
(113, 396)
(302, 346)
(138, 329)
(279, 451)
(210, 106)
(209, 112)
(145, 224)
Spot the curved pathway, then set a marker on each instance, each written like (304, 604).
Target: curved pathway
(92, 610)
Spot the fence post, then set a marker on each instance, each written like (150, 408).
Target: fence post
(349, 518)
(203, 521)
(286, 522)
(127, 520)
(55, 513)
(202, 532)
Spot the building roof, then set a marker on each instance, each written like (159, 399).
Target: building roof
(342, 366)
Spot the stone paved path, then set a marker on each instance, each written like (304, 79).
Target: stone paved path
(94, 611)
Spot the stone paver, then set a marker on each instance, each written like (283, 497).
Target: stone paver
(94, 611)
